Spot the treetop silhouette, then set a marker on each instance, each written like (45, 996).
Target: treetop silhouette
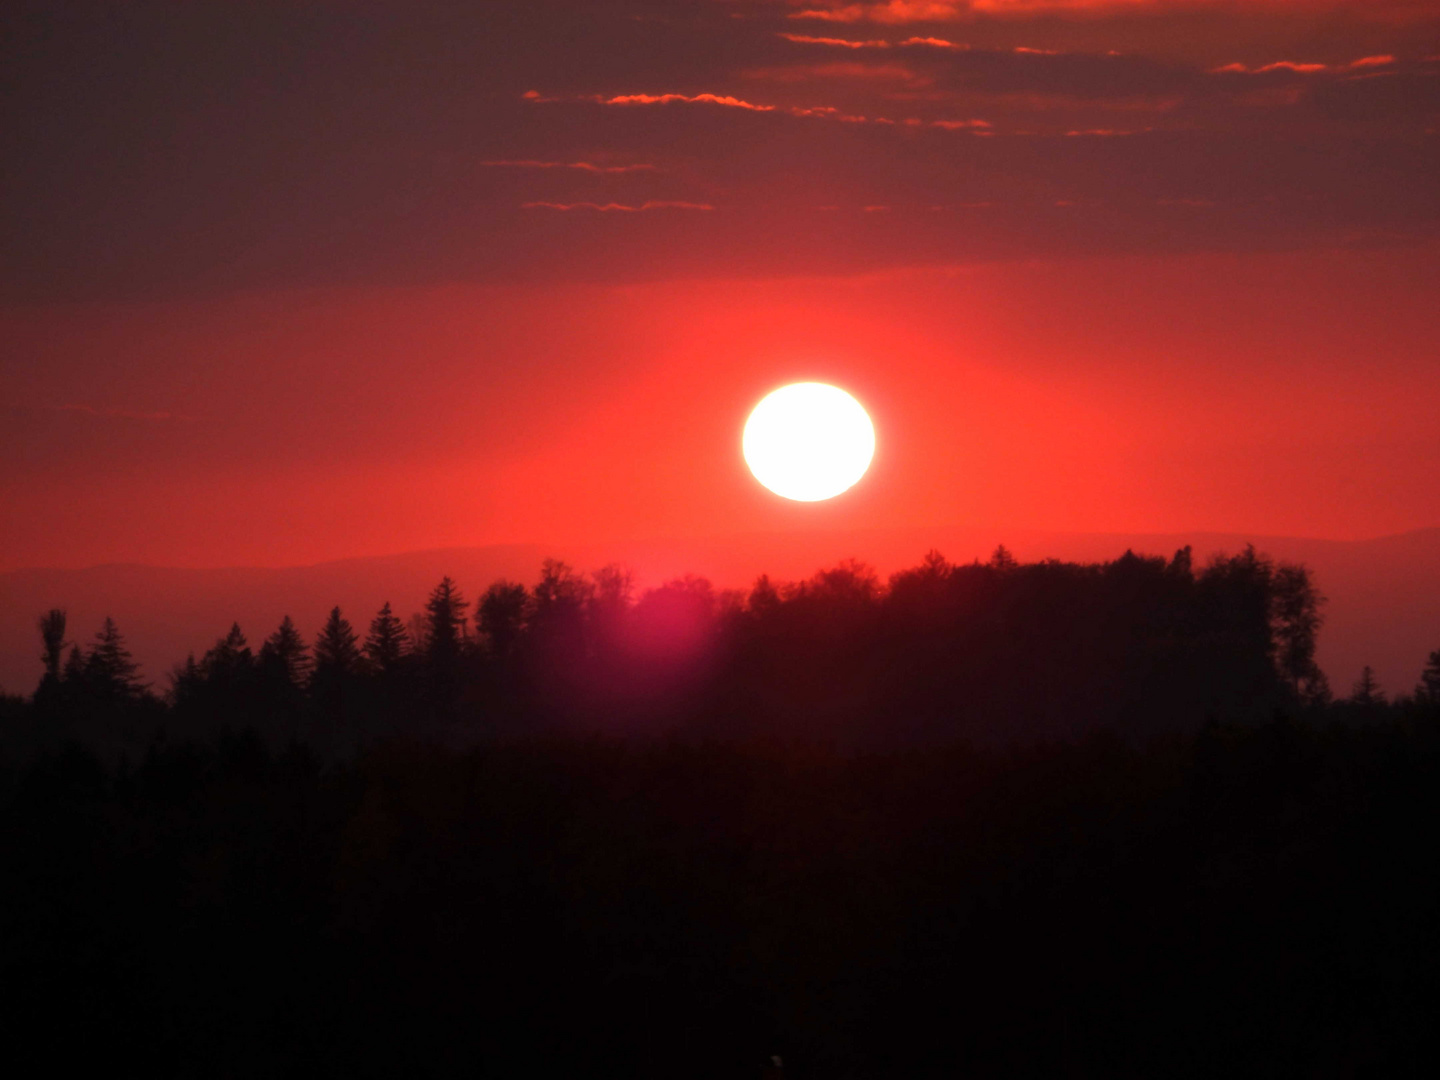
(983, 651)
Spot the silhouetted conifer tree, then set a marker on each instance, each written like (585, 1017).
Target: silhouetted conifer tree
(387, 641)
(445, 637)
(187, 682)
(229, 664)
(1367, 690)
(1001, 559)
(110, 671)
(445, 622)
(337, 650)
(334, 682)
(52, 634)
(283, 659)
(1429, 688)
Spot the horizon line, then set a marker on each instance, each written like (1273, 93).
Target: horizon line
(1254, 537)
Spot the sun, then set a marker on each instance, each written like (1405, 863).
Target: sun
(808, 441)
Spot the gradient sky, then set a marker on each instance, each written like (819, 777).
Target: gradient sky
(283, 282)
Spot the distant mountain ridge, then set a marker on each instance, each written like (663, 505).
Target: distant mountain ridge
(1383, 610)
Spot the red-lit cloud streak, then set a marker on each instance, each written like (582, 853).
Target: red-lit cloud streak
(726, 100)
(891, 11)
(822, 112)
(846, 43)
(1306, 69)
(900, 12)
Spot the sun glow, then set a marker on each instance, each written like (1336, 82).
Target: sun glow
(808, 441)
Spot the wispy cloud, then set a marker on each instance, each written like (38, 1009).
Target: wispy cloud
(622, 208)
(1305, 68)
(908, 11)
(666, 99)
(584, 166)
(892, 11)
(846, 43)
(818, 112)
(827, 112)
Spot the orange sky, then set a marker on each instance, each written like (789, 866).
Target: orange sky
(321, 283)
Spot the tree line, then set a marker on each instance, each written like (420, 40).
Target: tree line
(982, 651)
(916, 836)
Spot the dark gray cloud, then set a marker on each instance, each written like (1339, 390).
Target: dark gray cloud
(163, 149)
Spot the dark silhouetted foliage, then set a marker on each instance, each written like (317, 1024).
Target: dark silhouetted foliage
(387, 643)
(990, 819)
(1367, 692)
(110, 670)
(284, 661)
(52, 635)
(993, 652)
(337, 650)
(1429, 689)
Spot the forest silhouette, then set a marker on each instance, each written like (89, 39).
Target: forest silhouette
(996, 818)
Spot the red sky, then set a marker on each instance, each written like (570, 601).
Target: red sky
(282, 283)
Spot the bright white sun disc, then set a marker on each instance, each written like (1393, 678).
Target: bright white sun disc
(808, 441)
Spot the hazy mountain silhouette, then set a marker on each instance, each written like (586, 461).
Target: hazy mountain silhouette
(1383, 610)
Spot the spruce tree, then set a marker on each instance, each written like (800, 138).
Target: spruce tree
(445, 623)
(445, 629)
(1002, 560)
(186, 681)
(1367, 690)
(1429, 688)
(110, 670)
(337, 650)
(282, 657)
(387, 641)
(230, 653)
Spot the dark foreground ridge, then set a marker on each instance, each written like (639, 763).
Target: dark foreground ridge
(994, 819)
